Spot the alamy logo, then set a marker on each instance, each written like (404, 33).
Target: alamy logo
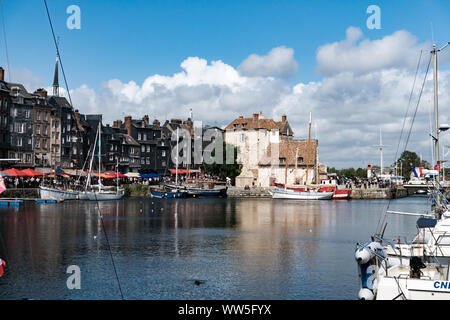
(74, 280)
(374, 21)
(74, 20)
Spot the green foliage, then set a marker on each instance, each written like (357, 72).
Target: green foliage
(349, 173)
(409, 160)
(224, 170)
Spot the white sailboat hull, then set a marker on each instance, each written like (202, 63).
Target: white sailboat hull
(299, 195)
(101, 196)
(52, 193)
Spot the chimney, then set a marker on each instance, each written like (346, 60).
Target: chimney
(146, 119)
(2, 74)
(117, 123)
(284, 118)
(255, 116)
(128, 124)
(156, 122)
(41, 92)
(241, 116)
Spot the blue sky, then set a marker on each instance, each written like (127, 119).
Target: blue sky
(130, 40)
(133, 58)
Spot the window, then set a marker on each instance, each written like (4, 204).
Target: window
(38, 129)
(143, 148)
(300, 160)
(163, 153)
(142, 161)
(19, 127)
(28, 158)
(27, 114)
(44, 115)
(38, 115)
(36, 144)
(139, 137)
(148, 148)
(282, 160)
(19, 143)
(243, 137)
(147, 160)
(145, 136)
(68, 116)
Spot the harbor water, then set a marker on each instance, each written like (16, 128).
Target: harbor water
(192, 248)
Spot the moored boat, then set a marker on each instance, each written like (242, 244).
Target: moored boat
(58, 194)
(300, 195)
(164, 194)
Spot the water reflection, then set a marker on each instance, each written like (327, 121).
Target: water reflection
(240, 248)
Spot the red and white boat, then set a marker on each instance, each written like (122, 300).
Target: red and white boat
(338, 193)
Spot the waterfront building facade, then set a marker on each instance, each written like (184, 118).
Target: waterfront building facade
(269, 153)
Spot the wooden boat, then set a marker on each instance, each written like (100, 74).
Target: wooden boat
(58, 194)
(337, 193)
(197, 192)
(164, 194)
(301, 195)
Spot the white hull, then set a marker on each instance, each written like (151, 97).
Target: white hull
(102, 195)
(298, 195)
(52, 193)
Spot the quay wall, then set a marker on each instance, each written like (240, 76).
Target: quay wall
(379, 193)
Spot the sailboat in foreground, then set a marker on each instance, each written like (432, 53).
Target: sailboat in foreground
(411, 271)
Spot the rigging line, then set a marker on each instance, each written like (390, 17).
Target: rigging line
(384, 214)
(109, 246)
(6, 44)
(418, 102)
(409, 104)
(57, 52)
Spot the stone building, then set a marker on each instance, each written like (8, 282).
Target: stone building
(4, 116)
(42, 130)
(269, 153)
(21, 125)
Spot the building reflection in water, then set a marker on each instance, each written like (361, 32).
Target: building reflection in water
(230, 240)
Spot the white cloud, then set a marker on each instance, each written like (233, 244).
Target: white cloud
(355, 54)
(279, 61)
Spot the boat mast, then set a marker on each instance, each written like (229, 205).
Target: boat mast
(296, 160)
(88, 181)
(436, 110)
(307, 149)
(176, 163)
(99, 154)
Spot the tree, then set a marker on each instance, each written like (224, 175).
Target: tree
(224, 169)
(409, 160)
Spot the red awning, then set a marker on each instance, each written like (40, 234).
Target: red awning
(181, 171)
(115, 175)
(14, 172)
(32, 173)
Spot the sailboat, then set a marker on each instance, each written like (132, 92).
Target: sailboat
(411, 271)
(169, 191)
(304, 193)
(99, 193)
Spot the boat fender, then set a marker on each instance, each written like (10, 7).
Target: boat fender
(363, 255)
(365, 294)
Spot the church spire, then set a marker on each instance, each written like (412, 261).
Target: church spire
(55, 79)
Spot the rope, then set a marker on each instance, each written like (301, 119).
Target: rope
(57, 51)
(109, 246)
(6, 44)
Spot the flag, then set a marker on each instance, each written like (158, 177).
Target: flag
(2, 265)
(438, 166)
(2, 185)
